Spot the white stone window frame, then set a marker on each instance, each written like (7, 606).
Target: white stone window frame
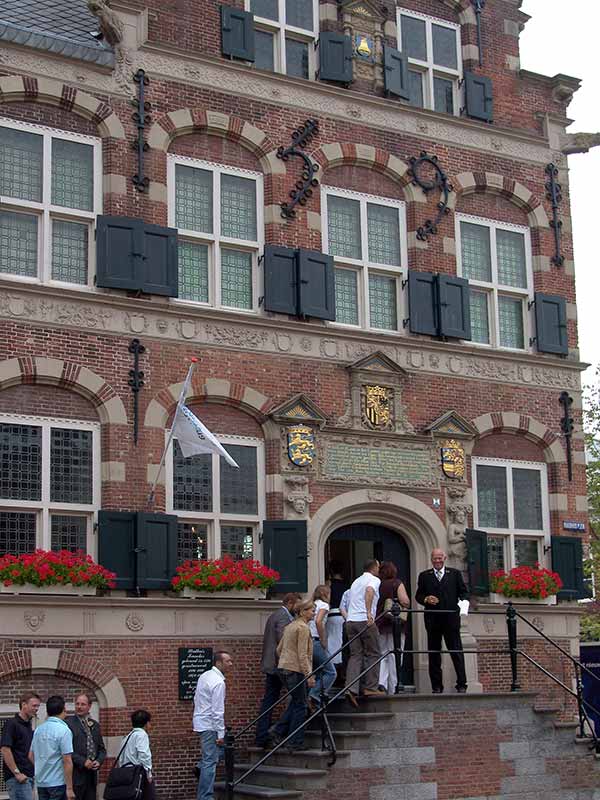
(215, 519)
(493, 288)
(44, 508)
(214, 240)
(509, 534)
(282, 31)
(429, 68)
(363, 266)
(46, 211)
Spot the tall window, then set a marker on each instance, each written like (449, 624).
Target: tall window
(284, 35)
(218, 211)
(50, 192)
(511, 504)
(434, 57)
(49, 484)
(219, 507)
(367, 237)
(496, 258)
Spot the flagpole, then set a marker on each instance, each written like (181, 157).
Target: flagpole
(180, 402)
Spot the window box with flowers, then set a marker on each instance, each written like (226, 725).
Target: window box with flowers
(50, 572)
(525, 585)
(234, 580)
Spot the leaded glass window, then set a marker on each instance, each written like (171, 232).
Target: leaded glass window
(415, 88)
(492, 501)
(68, 532)
(443, 95)
(71, 466)
(236, 278)
(264, 50)
(480, 324)
(297, 64)
(527, 492)
(265, 8)
(17, 532)
(193, 271)
(192, 541)
(476, 252)
(512, 268)
(343, 218)
(382, 302)
(496, 559)
(192, 482)
(238, 207)
(526, 552)
(237, 541)
(193, 199)
(18, 244)
(346, 296)
(510, 315)
(20, 462)
(72, 174)
(284, 35)
(21, 164)
(70, 251)
(384, 234)
(239, 487)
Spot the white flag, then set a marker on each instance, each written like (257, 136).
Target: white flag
(195, 438)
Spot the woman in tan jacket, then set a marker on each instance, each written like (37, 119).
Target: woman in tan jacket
(295, 651)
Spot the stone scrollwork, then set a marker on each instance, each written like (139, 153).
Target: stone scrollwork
(134, 621)
(34, 619)
(457, 512)
(298, 497)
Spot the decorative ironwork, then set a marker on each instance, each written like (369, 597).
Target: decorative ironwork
(141, 117)
(439, 181)
(136, 381)
(554, 194)
(303, 187)
(479, 6)
(566, 426)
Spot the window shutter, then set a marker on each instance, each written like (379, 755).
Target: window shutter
(477, 561)
(116, 247)
(335, 57)
(395, 73)
(156, 549)
(455, 311)
(316, 285)
(479, 102)
(567, 560)
(159, 270)
(285, 549)
(551, 324)
(422, 303)
(237, 33)
(116, 545)
(281, 283)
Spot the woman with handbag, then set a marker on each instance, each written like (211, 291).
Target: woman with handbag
(131, 776)
(391, 589)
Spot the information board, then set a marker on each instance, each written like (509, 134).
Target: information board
(386, 465)
(193, 661)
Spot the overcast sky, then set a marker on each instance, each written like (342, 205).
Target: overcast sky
(562, 37)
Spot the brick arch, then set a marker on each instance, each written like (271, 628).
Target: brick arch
(66, 663)
(464, 9)
(510, 422)
(66, 375)
(471, 182)
(15, 88)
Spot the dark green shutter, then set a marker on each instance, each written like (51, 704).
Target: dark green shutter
(567, 560)
(281, 285)
(477, 561)
(156, 549)
(422, 302)
(316, 287)
(335, 57)
(237, 33)
(117, 259)
(395, 73)
(285, 549)
(551, 324)
(116, 545)
(159, 268)
(455, 310)
(479, 103)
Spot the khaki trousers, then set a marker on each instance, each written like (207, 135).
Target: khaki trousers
(364, 652)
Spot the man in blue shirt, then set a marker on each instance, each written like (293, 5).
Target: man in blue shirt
(51, 751)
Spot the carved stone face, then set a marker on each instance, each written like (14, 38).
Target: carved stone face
(460, 515)
(299, 505)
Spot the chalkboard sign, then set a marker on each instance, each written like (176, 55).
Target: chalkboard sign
(193, 661)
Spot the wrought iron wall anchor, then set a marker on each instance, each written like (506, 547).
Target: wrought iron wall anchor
(136, 381)
(303, 188)
(554, 194)
(566, 426)
(479, 6)
(141, 117)
(439, 181)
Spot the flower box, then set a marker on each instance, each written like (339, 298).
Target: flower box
(232, 594)
(224, 578)
(538, 601)
(30, 588)
(525, 585)
(50, 572)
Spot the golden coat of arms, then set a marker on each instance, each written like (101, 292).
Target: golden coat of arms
(377, 407)
(453, 459)
(301, 445)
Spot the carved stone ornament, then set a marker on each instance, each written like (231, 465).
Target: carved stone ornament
(34, 619)
(453, 459)
(457, 512)
(363, 22)
(298, 497)
(301, 445)
(379, 496)
(222, 622)
(134, 621)
(377, 407)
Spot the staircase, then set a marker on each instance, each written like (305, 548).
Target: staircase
(431, 747)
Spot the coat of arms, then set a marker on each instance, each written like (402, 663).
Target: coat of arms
(377, 407)
(301, 445)
(364, 47)
(453, 459)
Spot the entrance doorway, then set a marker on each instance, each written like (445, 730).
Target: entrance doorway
(352, 545)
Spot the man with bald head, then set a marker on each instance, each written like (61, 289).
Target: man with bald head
(440, 589)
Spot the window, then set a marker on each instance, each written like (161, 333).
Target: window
(219, 507)
(50, 193)
(49, 484)
(367, 237)
(432, 47)
(218, 211)
(284, 35)
(511, 504)
(496, 258)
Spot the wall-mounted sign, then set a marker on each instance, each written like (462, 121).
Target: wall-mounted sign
(193, 661)
(571, 525)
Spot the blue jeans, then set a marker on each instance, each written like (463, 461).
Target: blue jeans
(327, 673)
(212, 753)
(295, 713)
(273, 688)
(19, 791)
(52, 792)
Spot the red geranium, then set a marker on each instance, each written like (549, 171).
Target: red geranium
(532, 582)
(49, 568)
(224, 574)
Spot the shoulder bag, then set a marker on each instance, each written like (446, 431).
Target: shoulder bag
(126, 782)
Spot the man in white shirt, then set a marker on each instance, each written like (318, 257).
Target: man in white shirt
(364, 650)
(209, 721)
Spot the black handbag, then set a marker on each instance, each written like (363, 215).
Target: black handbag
(126, 782)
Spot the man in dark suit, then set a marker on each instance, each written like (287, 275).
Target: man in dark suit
(273, 685)
(88, 749)
(440, 589)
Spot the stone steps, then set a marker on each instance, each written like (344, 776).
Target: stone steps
(285, 777)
